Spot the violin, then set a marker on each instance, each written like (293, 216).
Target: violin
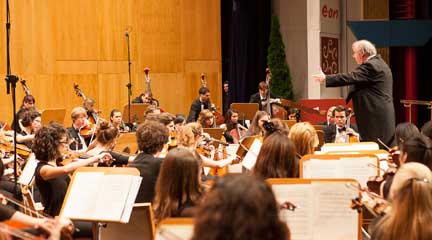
(68, 156)
(88, 130)
(377, 205)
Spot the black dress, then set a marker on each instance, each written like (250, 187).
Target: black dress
(53, 191)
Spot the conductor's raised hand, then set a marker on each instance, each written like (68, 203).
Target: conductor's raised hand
(320, 77)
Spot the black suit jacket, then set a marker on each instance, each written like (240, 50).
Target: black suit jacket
(330, 133)
(371, 87)
(149, 167)
(73, 134)
(195, 109)
(256, 98)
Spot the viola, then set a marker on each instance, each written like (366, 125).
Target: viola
(88, 130)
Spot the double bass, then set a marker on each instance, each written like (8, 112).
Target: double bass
(219, 118)
(90, 128)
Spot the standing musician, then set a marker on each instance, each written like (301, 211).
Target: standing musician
(339, 131)
(52, 181)
(261, 96)
(28, 103)
(203, 102)
(79, 122)
(146, 97)
(31, 122)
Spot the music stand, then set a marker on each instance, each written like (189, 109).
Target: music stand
(137, 111)
(53, 115)
(246, 111)
(215, 133)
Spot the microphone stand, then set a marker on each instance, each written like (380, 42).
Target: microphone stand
(11, 81)
(129, 85)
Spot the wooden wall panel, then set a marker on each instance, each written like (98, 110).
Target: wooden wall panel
(58, 42)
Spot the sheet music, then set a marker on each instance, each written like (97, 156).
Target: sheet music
(251, 156)
(299, 221)
(358, 168)
(333, 218)
(133, 192)
(317, 168)
(29, 170)
(174, 232)
(81, 199)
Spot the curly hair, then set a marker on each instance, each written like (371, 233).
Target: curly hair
(189, 133)
(178, 183)
(239, 207)
(276, 158)
(106, 133)
(29, 116)
(46, 142)
(151, 136)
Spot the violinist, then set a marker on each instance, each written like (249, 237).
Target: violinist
(206, 119)
(151, 138)
(256, 127)
(31, 122)
(203, 102)
(80, 122)
(52, 180)
(117, 121)
(105, 141)
(403, 131)
(28, 103)
(411, 206)
(305, 139)
(339, 132)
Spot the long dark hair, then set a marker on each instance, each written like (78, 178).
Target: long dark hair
(276, 158)
(240, 207)
(178, 183)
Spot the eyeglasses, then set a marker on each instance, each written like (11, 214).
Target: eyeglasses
(67, 141)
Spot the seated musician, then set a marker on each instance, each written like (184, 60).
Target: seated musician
(426, 129)
(339, 132)
(256, 127)
(151, 137)
(411, 206)
(31, 122)
(305, 139)
(330, 118)
(50, 143)
(79, 121)
(233, 199)
(28, 103)
(178, 187)
(191, 138)
(105, 141)
(146, 97)
(117, 121)
(234, 130)
(261, 96)
(202, 102)
(206, 119)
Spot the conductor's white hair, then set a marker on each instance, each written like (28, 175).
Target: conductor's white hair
(365, 47)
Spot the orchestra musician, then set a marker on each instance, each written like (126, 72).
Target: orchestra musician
(92, 114)
(304, 137)
(178, 187)
(52, 181)
(28, 103)
(371, 86)
(206, 119)
(427, 129)
(234, 130)
(339, 131)
(31, 122)
(256, 127)
(411, 199)
(151, 138)
(234, 198)
(117, 120)
(146, 97)
(261, 96)
(202, 102)
(276, 158)
(79, 121)
(330, 118)
(226, 101)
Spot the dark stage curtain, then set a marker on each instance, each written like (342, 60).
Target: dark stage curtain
(245, 39)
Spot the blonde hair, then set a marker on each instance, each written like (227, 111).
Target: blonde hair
(305, 138)
(411, 197)
(78, 112)
(203, 116)
(188, 134)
